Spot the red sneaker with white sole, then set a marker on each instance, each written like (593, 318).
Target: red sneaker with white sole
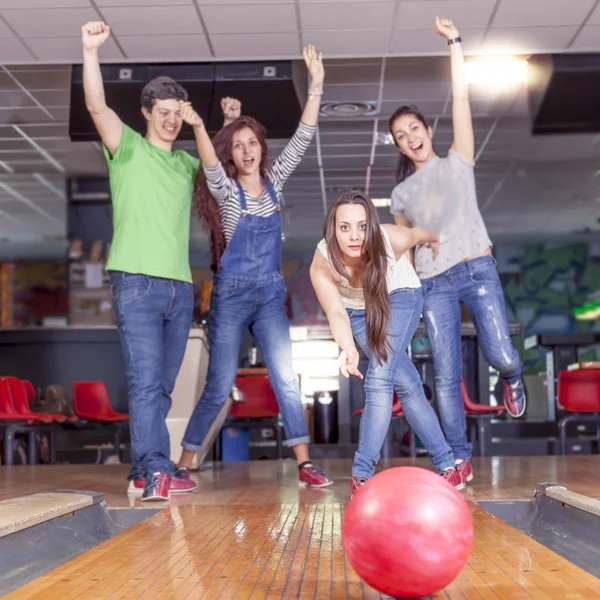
(181, 483)
(156, 488)
(313, 476)
(452, 476)
(465, 469)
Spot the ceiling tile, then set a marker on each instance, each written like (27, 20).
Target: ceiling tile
(12, 50)
(4, 4)
(166, 47)
(517, 13)
(419, 41)
(153, 20)
(340, 43)
(143, 3)
(346, 15)
(250, 19)
(247, 46)
(588, 39)
(465, 14)
(69, 49)
(49, 22)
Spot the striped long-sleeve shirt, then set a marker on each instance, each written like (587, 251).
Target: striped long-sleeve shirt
(225, 190)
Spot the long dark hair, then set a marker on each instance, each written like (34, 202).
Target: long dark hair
(406, 167)
(374, 277)
(206, 206)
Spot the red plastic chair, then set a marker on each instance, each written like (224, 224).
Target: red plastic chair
(482, 415)
(91, 403)
(20, 404)
(29, 390)
(579, 395)
(7, 410)
(398, 413)
(258, 408)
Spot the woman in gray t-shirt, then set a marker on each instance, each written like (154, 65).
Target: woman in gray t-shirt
(438, 193)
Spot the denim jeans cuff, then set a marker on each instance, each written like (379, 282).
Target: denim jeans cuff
(297, 441)
(192, 447)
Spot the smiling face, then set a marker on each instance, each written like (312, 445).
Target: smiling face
(351, 229)
(413, 139)
(246, 151)
(164, 121)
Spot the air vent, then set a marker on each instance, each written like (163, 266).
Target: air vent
(348, 109)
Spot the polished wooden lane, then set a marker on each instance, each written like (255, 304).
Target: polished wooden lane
(285, 551)
(250, 532)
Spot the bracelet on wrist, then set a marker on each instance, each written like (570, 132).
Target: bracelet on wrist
(455, 40)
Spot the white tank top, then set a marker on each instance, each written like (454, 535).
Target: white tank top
(400, 274)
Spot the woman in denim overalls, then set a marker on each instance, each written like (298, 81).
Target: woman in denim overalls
(238, 197)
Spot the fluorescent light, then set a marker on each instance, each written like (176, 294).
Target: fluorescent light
(381, 202)
(496, 71)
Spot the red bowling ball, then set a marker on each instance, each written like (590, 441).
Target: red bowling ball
(407, 532)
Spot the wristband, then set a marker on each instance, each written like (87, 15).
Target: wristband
(454, 40)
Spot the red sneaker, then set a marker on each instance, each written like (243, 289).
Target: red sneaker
(465, 469)
(357, 483)
(514, 398)
(313, 476)
(452, 476)
(181, 482)
(156, 488)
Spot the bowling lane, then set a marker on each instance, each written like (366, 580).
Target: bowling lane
(287, 551)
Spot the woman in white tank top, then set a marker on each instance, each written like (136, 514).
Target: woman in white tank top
(370, 293)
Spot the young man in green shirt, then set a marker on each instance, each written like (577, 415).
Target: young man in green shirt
(151, 189)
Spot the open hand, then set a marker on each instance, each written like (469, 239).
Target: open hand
(348, 363)
(232, 109)
(446, 28)
(94, 34)
(314, 64)
(189, 115)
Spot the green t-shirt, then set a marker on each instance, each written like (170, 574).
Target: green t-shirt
(151, 193)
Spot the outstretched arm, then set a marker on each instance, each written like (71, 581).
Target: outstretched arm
(404, 238)
(329, 297)
(462, 122)
(314, 64)
(107, 122)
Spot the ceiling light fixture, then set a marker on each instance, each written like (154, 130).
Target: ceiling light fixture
(496, 71)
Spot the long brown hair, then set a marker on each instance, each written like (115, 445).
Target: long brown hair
(206, 206)
(374, 276)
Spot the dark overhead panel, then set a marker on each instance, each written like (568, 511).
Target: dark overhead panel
(564, 93)
(272, 92)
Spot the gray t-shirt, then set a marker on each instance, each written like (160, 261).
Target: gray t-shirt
(440, 196)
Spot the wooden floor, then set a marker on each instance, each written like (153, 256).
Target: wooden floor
(250, 532)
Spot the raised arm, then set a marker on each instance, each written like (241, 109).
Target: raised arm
(216, 178)
(314, 64)
(232, 109)
(404, 238)
(106, 120)
(462, 122)
(330, 300)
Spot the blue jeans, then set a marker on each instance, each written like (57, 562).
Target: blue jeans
(476, 283)
(154, 317)
(238, 303)
(397, 373)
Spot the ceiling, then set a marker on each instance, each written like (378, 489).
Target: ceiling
(381, 52)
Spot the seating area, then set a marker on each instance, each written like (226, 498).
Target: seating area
(91, 410)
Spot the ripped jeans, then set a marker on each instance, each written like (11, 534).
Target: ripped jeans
(476, 283)
(397, 373)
